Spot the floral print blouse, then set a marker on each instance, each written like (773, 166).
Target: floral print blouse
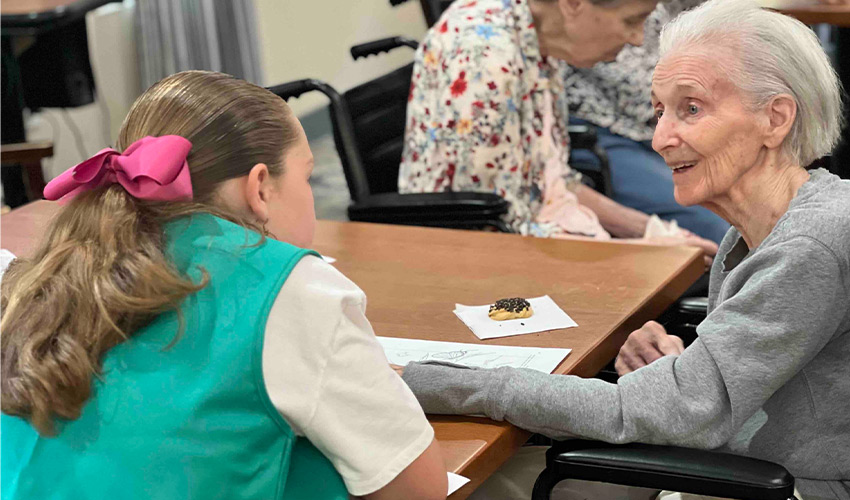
(487, 112)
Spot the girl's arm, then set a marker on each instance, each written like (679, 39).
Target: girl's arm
(328, 377)
(424, 479)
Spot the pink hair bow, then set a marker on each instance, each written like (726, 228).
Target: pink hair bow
(152, 168)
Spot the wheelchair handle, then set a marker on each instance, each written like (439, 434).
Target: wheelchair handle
(382, 45)
(293, 90)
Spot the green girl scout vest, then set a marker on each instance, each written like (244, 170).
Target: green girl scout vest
(190, 420)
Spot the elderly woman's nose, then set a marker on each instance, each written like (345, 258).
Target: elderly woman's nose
(665, 135)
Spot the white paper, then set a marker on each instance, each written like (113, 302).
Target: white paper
(403, 351)
(547, 316)
(6, 258)
(456, 482)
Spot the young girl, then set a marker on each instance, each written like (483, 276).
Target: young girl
(170, 339)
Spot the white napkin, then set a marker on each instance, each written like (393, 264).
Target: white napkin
(456, 482)
(657, 228)
(547, 316)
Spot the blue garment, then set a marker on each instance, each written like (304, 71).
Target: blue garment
(641, 180)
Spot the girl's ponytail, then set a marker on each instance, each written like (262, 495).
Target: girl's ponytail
(99, 275)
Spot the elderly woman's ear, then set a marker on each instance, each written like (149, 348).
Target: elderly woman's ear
(781, 111)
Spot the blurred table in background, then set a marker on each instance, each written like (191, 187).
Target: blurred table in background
(812, 11)
(818, 12)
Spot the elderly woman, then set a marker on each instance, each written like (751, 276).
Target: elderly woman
(744, 97)
(614, 97)
(488, 112)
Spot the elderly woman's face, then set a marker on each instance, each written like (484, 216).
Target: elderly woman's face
(604, 31)
(705, 132)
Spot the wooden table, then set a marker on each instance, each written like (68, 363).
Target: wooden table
(811, 11)
(413, 277)
(30, 17)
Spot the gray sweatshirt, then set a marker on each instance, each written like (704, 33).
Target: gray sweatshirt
(768, 377)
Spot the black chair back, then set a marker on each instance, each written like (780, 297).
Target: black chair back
(378, 110)
(433, 9)
(343, 130)
(464, 210)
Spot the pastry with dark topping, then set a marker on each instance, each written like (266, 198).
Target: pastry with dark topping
(513, 308)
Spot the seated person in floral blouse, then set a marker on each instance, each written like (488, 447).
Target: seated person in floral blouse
(487, 111)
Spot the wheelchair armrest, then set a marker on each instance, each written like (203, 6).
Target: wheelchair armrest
(449, 209)
(698, 306)
(671, 468)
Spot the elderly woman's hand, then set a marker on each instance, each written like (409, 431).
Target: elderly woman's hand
(708, 246)
(644, 346)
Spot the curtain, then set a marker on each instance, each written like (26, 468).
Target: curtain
(178, 35)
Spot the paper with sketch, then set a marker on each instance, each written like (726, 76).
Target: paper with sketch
(547, 316)
(456, 482)
(403, 351)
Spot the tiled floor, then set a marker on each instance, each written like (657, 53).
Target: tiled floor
(328, 181)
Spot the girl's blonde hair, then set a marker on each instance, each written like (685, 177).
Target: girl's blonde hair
(100, 273)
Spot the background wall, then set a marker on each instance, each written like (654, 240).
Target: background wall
(297, 38)
(310, 39)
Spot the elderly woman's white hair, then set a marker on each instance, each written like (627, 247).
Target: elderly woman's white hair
(776, 55)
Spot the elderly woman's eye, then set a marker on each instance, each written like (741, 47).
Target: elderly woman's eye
(693, 109)
(658, 113)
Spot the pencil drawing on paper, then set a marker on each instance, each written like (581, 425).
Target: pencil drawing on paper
(403, 351)
(467, 357)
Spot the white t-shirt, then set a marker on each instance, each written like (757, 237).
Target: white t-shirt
(329, 378)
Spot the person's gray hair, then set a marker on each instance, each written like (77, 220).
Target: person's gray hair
(776, 55)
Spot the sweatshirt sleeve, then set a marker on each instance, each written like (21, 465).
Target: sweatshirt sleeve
(789, 304)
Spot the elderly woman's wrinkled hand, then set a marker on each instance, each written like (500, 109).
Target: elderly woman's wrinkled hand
(644, 346)
(708, 246)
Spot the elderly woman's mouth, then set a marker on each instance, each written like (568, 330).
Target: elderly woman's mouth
(680, 168)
